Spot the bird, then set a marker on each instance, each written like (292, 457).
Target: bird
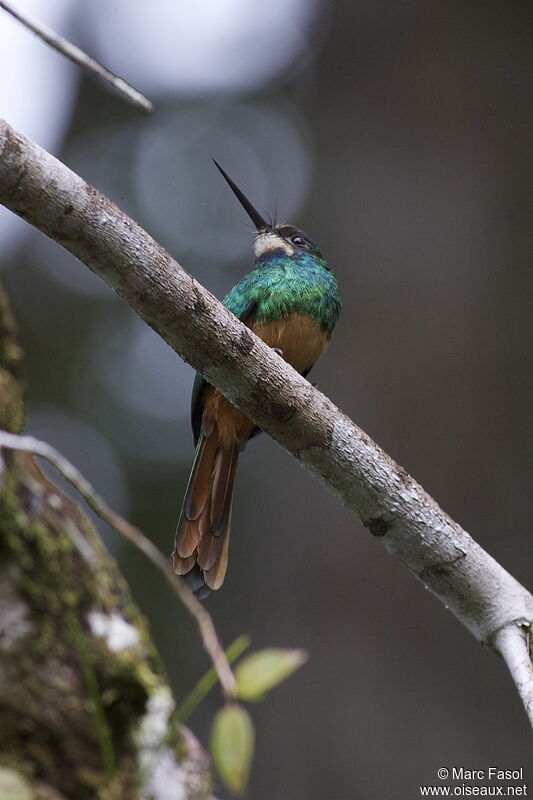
(291, 300)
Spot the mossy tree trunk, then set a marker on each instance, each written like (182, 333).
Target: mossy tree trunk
(85, 706)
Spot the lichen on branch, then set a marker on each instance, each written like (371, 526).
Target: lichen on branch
(84, 701)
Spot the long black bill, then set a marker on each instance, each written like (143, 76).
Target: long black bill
(254, 215)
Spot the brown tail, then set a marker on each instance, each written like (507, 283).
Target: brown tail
(202, 536)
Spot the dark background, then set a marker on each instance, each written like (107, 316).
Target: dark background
(398, 135)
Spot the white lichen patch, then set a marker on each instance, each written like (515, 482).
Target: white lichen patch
(118, 633)
(154, 724)
(161, 775)
(55, 501)
(14, 621)
(13, 786)
(166, 780)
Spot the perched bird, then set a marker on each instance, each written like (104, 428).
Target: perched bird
(290, 300)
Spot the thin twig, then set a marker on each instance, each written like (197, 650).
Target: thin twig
(512, 642)
(207, 681)
(80, 58)
(203, 619)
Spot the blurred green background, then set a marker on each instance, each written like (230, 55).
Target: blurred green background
(398, 135)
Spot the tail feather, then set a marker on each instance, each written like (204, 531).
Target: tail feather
(202, 535)
(214, 577)
(181, 565)
(187, 537)
(222, 491)
(209, 550)
(199, 482)
(196, 583)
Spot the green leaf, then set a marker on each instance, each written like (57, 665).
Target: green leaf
(232, 746)
(260, 672)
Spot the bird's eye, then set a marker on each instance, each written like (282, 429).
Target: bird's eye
(297, 240)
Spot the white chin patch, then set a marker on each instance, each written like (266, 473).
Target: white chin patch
(265, 242)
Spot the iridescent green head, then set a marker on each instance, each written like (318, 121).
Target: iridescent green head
(270, 238)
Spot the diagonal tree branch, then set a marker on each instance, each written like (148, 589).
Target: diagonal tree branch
(75, 54)
(411, 525)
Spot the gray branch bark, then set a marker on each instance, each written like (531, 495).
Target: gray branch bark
(395, 509)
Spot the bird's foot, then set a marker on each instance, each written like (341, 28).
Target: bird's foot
(278, 350)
